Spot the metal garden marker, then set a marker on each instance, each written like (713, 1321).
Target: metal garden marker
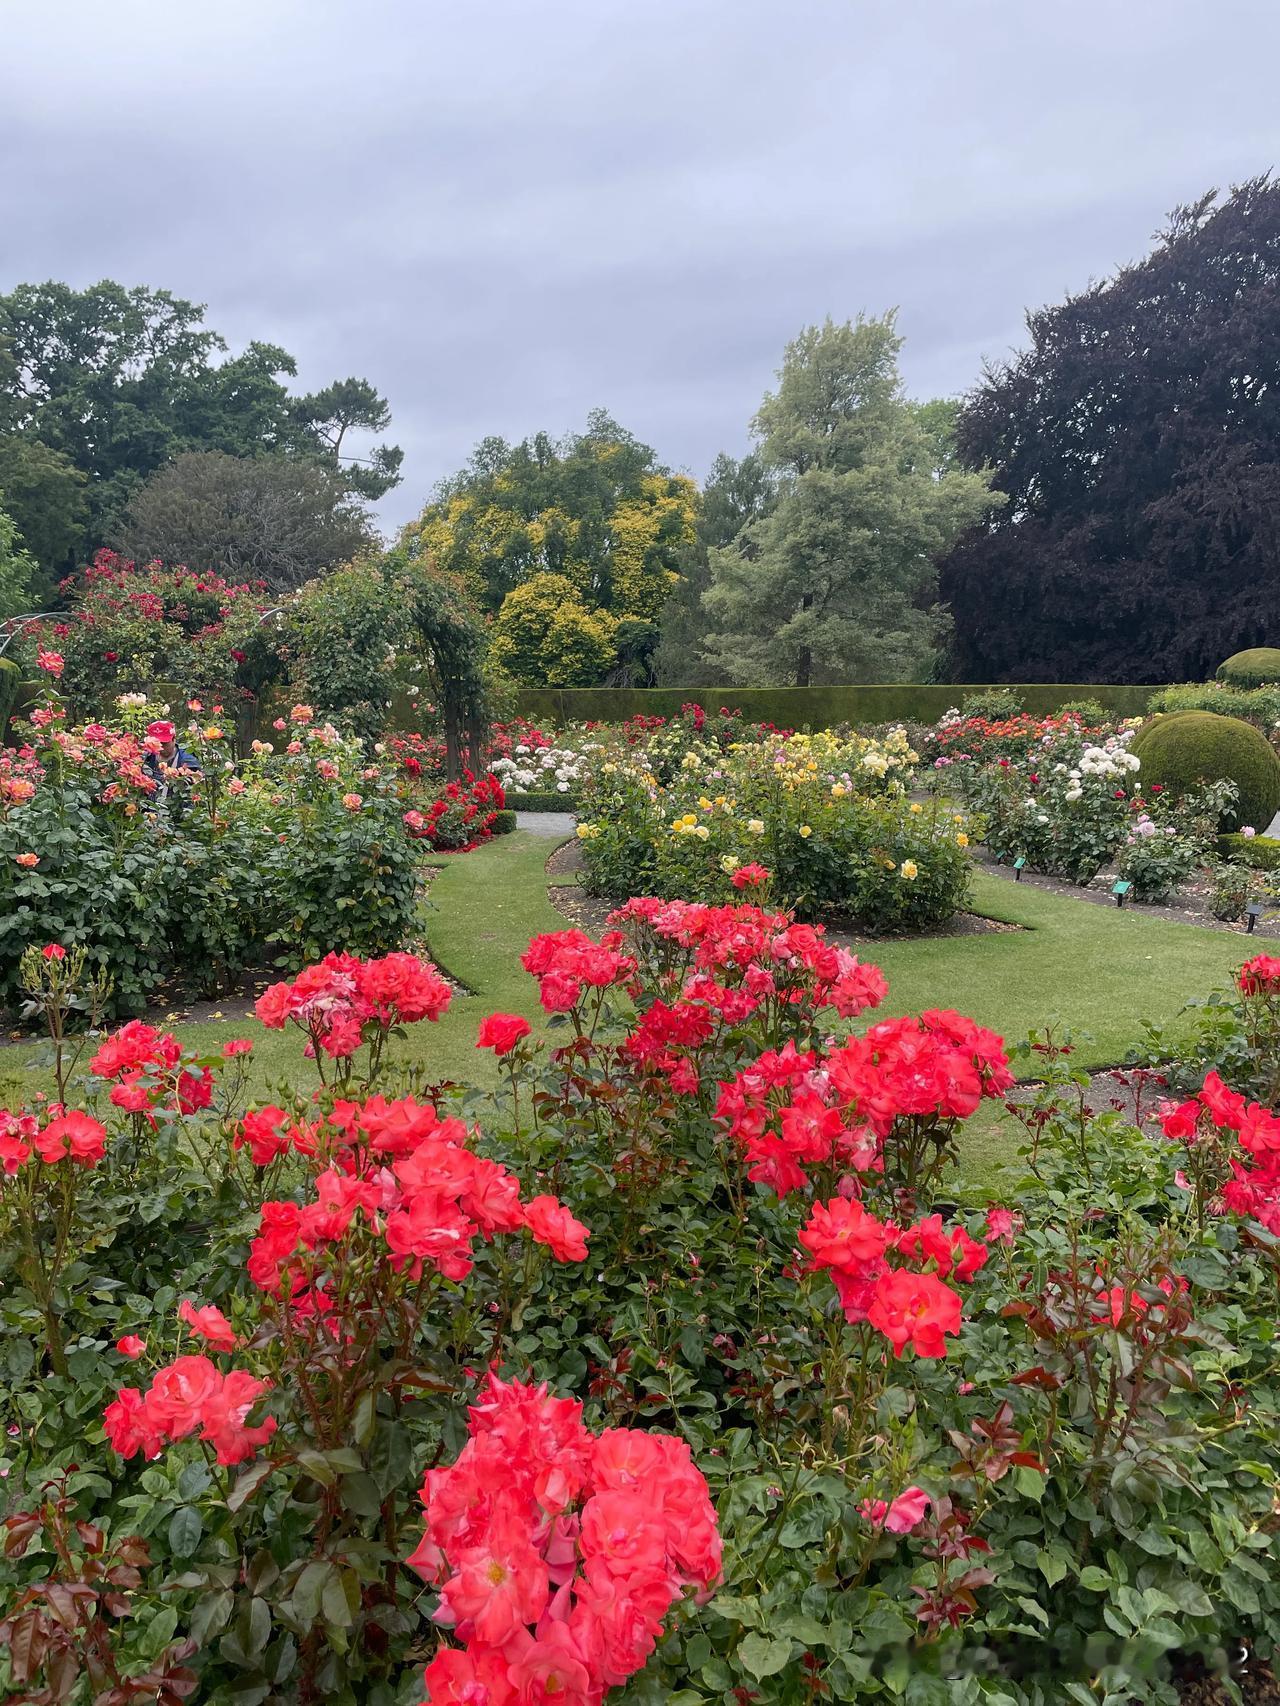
(1252, 913)
(1017, 869)
(1121, 892)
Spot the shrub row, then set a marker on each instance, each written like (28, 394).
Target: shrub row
(810, 707)
(546, 801)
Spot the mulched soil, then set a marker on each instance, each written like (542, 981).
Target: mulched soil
(1189, 906)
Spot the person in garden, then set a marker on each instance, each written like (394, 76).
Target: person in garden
(165, 764)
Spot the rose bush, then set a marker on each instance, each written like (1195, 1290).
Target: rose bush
(825, 819)
(301, 847)
(307, 1395)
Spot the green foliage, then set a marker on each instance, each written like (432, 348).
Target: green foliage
(504, 822)
(44, 492)
(837, 580)
(544, 634)
(10, 685)
(1090, 710)
(360, 633)
(595, 508)
(1260, 705)
(804, 707)
(276, 520)
(17, 568)
(1259, 666)
(539, 802)
(111, 383)
(1188, 748)
(995, 703)
(1262, 852)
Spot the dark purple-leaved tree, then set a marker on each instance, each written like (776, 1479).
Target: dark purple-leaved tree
(1138, 440)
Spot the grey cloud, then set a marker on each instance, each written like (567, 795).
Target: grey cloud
(504, 214)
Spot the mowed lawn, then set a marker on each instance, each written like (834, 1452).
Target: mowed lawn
(1096, 971)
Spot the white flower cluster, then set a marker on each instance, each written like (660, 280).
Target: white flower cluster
(1109, 761)
(547, 770)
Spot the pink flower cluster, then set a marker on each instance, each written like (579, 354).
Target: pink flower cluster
(148, 1070)
(340, 1000)
(557, 1553)
(793, 1110)
(406, 1176)
(909, 1304)
(567, 963)
(1254, 1186)
(190, 1396)
(66, 1135)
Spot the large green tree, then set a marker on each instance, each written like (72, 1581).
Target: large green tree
(837, 582)
(116, 382)
(595, 510)
(735, 493)
(278, 519)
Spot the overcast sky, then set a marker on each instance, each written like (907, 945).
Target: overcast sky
(505, 212)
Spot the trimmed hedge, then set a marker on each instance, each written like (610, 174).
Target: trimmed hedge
(1190, 747)
(1260, 851)
(541, 802)
(810, 707)
(503, 822)
(1259, 666)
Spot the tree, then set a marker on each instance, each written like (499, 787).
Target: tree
(17, 569)
(735, 494)
(282, 520)
(1138, 441)
(595, 509)
(836, 582)
(44, 492)
(120, 381)
(329, 415)
(544, 636)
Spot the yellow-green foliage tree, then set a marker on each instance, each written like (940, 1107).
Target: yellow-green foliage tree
(595, 510)
(544, 636)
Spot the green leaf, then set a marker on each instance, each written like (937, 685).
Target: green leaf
(1052, 1566)
(186, 1526)
(336, 1597)
(1096, 1580)
(760, 1657)
(247, 1484)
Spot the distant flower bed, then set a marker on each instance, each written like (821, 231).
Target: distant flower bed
(820, 822)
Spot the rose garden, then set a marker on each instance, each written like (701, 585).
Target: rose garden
(654, 1093)
(573, 1263)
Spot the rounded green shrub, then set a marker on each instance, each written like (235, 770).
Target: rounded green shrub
(1188, 748)
(1257, 667)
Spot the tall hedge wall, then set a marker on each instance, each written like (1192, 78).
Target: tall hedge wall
(10, 683)
(811, 707)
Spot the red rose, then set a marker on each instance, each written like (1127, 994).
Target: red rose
(502, 1031)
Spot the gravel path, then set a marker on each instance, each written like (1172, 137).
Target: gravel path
(546, 823)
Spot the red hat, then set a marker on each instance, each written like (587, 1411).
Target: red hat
(161, 731)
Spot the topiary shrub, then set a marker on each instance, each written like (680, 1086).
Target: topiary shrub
(503, 822)
(1188, 748)
(1257, 667)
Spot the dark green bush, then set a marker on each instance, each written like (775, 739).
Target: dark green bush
(1260, 851)
(10, 685)
(1257, 667)
(1181, 751)
(503, 822)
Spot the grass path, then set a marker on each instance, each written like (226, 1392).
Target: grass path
(1094, 970)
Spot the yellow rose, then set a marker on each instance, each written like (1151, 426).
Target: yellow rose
(755, 825)
(702, 832)
(839, 791)
(728, 864)
(916, 808)
(962, 840)
(805, 832)
(910, 870)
